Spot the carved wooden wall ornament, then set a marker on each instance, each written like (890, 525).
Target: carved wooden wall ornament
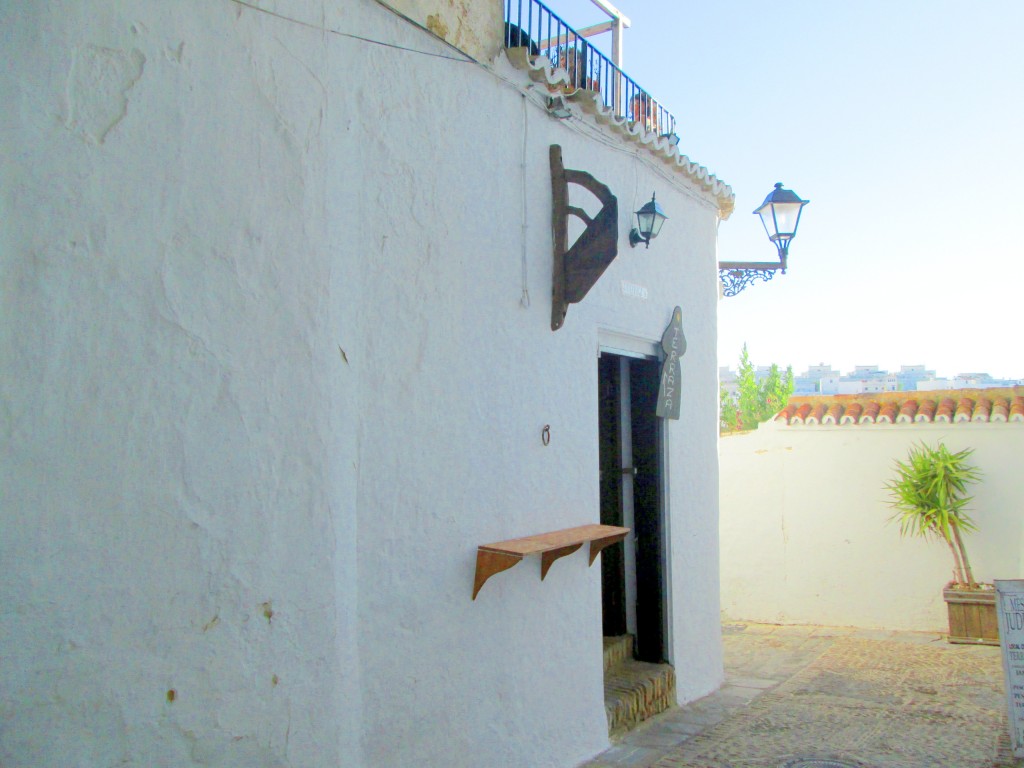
(673, 344)
(577, 269)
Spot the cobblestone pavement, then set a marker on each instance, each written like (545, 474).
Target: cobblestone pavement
(875, 699)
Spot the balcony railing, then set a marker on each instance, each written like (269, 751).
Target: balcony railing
(530, 24)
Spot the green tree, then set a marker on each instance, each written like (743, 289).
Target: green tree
(728, 413)
(755, 401)
(929, 493)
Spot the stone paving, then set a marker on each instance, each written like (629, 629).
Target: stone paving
(875, 699)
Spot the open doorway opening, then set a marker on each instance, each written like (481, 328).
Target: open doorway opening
(631, 472)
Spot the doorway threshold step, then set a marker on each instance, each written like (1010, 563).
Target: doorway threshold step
(617, 650)
(635, 691)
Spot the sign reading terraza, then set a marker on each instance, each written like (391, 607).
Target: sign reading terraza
(673, 342)
(1010, 607)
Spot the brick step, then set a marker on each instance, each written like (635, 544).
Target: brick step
(635, 691)
(617, 650)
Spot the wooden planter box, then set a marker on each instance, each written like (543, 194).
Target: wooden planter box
(972, 615)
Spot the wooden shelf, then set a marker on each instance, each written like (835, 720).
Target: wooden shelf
(502, 555)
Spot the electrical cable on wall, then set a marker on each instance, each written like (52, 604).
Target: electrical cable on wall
(580, 127)
(466, 58)
(524, 300)
(597, 134)
(636, 186)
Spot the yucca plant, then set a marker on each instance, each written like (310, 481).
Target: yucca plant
(929, 494)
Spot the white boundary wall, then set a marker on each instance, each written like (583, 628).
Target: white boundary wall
(268, 382)
(804, 530)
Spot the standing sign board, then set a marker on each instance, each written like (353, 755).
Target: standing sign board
(1010, 606)
(673, 343)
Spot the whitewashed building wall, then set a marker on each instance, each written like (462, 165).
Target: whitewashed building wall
(270, 378)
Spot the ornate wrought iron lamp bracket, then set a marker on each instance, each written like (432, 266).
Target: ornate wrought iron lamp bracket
(737, 275)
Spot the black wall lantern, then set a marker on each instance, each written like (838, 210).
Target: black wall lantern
(780, 214)
(649, 219)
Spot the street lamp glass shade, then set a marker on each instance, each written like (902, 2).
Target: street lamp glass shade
(649, 219)
(780, 214)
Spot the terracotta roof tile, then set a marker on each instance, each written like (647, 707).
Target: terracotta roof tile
(1017, 409)
(871, 409)
(964, 409)
(1000, 409)
(925, 411)
(834, 414)
(982, 410)
(786, 413)
(802, 412)
(817, 414)
(907, 412)
(1000, 405)
(887, 413)
(945, 411)
(853, 412)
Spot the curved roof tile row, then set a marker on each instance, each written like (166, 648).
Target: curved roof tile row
(541, 70)
(952, 406)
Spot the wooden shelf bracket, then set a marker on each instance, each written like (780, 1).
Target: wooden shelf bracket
(502, 555)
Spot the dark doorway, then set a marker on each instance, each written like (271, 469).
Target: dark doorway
(613, 574)
(632, 576)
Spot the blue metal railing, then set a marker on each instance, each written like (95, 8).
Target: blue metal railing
(531, 24)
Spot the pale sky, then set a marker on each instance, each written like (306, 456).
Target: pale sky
(901, 122)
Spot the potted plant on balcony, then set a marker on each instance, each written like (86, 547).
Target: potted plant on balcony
(576, 61)
(929, 493)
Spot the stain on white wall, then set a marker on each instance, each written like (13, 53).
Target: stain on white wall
(470, 25)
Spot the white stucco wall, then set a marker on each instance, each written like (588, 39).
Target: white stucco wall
(459, 379)
(269, 382)
(178, 453)
(805, 531)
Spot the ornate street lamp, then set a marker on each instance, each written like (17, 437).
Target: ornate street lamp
(649, 219)
(780, 214)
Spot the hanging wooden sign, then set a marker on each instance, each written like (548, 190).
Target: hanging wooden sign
(578, 268)
(673, 343)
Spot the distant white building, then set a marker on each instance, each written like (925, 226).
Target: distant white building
(849, 385)
(819, 378)
(910, 375)
(821, 370)
(823, 379)
(966, 381)
(829, 385)
(931, 385)
(865, 371)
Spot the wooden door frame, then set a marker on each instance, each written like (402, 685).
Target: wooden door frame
(617, 343)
